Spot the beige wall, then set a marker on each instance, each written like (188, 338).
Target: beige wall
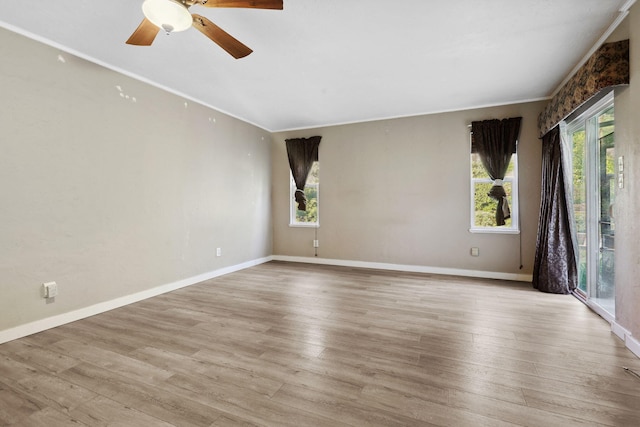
(109, 197)
(398, 192)
(627, 204)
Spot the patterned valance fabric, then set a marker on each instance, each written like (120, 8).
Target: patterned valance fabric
(607, 67)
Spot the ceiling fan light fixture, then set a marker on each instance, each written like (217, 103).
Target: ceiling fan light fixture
(170, 15)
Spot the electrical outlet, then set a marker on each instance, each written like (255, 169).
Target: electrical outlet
(218, 251)
(316, 244)
(49, 289)
(475, 251)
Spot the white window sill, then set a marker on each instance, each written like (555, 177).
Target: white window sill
(494, 230)
(303, 225)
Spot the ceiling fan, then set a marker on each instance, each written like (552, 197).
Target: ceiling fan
(173, 16)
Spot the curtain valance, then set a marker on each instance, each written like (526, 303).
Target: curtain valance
(607, 67)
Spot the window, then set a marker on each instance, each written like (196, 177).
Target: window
(595, 171)
(483, 207)
(308, 218)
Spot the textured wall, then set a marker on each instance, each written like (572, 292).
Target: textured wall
(627, 207)
(109, 195)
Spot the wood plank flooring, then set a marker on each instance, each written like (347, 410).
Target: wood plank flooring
(286, 344)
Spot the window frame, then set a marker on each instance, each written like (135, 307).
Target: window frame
(293, 206)
(587, 120)
(513, 205)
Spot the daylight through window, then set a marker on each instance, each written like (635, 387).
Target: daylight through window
(308, 218)
(483, 207)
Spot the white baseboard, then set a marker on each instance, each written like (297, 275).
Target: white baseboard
(408, 268)
(629, 341)
(51, 322)
(618, 330)
(632, 344)
(64, 318)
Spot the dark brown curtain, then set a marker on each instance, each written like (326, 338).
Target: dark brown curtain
(302, 152)
(495, 141)
(555, 269)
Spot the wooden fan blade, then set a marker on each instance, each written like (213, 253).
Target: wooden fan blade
(223, 39)
(144, 34)
(256, 4)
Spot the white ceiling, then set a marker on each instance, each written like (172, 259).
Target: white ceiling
(326, 62)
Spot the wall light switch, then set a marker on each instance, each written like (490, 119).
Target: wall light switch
(50, 289)
(218, 251)
(621, 172)
(475, 251)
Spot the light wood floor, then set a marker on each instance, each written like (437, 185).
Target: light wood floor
(299, 345)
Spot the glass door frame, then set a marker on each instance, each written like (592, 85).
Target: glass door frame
(587, 120)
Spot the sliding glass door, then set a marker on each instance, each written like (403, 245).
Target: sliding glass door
(593, 165)
(606, 175)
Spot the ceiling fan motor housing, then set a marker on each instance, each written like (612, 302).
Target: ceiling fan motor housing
(170, 15)
(173, 15)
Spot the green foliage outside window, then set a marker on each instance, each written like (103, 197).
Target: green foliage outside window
(310, 216)
(605, 129)
(485, 206)
(579, 154)
(579, 184)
